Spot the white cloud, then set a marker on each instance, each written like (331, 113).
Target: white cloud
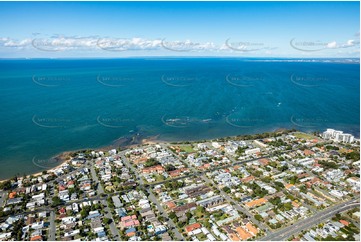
(91, 43)
(332, 45)
(7, 42)
(350, 42)
(95, 45)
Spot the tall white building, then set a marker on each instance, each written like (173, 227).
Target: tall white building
(339, 136)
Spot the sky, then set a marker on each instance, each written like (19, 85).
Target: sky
(124, 29)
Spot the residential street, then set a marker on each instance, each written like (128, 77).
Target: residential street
(229, 199)
(100, 191)
(307, 223)
(153, 199)
(52, 229)
(239, 208)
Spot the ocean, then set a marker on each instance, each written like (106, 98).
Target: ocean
(53, 105)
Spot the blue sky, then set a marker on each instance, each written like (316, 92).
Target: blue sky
(121, 29)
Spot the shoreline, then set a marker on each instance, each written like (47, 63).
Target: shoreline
(124, 143)
(134, 141)
(65, 156)
(62, 162)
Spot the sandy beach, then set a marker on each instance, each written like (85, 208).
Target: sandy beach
(64, 157)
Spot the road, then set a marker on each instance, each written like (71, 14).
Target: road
(304, 224)
(164, 214)
(100, 190)
(112, 226)
(3, 196)
(52, 229)
(152, 198)
(236, 205)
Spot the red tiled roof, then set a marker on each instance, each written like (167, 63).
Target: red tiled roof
(151, 169)
(344, 222)
(36, 238)
(264, 161)
(252, 229)
(171, 204)
(12, 194)
(308, 152)
(247, 179)
(62, 210)
(256, 202)
(243, 234)
(192, 227)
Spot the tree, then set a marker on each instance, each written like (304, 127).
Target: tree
(56, 201)
(6, 185)
(354, 155)
(283, 168)
(287, 206)
(275, 201)
(258, 217)
(267, 179)
(279, 185)
(207, 224)
(226, 189)
(151, 162)
(108, 220)
(327, 164)
(303, 188)
(169, 167)
(172, 215)
(241, 150)
(17, 229)
(294, 180)
(85, 211)
(189, 215)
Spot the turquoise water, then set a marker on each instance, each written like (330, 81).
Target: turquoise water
(50, 106)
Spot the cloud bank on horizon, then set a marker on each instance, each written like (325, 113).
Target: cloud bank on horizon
(95, 45)
(189, 31)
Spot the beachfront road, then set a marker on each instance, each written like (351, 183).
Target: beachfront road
(304, 224)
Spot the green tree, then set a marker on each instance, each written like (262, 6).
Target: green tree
(6, 185)
(56, 201)
(226, 189)
(258, 217)
(107, 220)
(189, 215)
(170, 167)
(172, 215)
(275, 201)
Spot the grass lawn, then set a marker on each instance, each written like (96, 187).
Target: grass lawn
(159, 178)
(201, 236)
(187, 148)
(302, 135)
(198, 214)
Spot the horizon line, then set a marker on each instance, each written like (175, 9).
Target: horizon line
(133, 57)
